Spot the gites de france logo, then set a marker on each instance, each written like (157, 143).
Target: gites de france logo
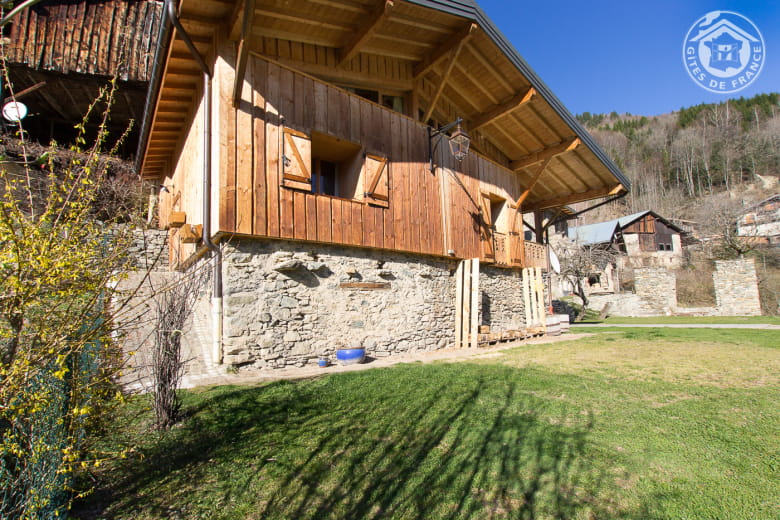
(724, 52)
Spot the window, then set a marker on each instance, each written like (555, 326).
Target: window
(327, 165)
(391, 101)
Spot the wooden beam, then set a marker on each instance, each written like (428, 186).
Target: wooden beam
(534, 180)
(367, 29)
(501, 109)
(243, 51)
(235, 21)
(541, 155)
(443, 81)
(443, 50)
(24, 92)
(606, 191)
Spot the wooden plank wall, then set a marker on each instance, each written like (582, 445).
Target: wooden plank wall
(103, 38)
(253, 201)
(477, 175)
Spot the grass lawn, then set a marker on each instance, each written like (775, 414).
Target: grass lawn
(634, 424)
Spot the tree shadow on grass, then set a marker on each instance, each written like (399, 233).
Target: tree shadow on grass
(414, 442)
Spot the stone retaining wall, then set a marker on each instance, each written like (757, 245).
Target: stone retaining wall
(149, 249)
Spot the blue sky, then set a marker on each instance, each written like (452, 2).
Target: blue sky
(625, 55)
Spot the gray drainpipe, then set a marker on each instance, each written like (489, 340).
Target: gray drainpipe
(216, 297)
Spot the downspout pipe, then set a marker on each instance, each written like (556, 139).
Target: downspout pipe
(216, 295)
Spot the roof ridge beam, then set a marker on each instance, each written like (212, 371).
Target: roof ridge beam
(443, 50)
(502, 109)
(564, 146)
(368, 28)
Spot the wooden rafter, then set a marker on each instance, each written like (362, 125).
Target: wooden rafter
(243, 50)
(443, 81)
(534, 180)
(501, 109)
(546, 153)
(607, 191)
(24, 92)
(367, 29)
(444, 50)
(235, 22)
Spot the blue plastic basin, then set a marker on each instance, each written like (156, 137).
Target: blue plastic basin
(350, 356)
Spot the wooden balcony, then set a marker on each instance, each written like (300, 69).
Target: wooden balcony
(505, 250)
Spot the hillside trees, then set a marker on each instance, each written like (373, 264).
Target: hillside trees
(674, 159)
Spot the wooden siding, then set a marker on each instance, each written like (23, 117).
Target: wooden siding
(90, 37)
(255, 201)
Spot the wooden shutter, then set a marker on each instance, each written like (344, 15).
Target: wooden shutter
(296, 160)
(377, 180)
(486, 229)
(516, 236)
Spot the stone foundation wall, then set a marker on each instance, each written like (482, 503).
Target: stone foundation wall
(501, 304)
(287, 303)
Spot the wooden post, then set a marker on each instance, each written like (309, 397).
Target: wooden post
(539, 226)
(467, 304)
(459, 305)
(540, 297)
(527, 297)
(474, 329)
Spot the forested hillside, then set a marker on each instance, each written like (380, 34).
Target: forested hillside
(682, 162)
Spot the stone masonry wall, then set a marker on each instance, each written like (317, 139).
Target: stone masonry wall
(284, 303)
(736, 288)
(657, 289)
(149, 249)
(736, 293)
(501, 304)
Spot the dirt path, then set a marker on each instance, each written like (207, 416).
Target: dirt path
(248, 376)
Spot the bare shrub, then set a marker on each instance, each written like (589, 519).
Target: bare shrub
(173, 305)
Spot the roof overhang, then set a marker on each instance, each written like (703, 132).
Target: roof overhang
(447, 53)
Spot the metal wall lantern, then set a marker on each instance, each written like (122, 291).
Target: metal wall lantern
(459, 141)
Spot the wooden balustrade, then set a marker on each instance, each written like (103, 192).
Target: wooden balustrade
(535, 255)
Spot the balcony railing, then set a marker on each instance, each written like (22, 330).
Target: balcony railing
(535, 255)
(505, 252)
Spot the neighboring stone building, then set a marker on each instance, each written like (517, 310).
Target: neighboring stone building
(645, 239)
(761, 222)
(365, 179)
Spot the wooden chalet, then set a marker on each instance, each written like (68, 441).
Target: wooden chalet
(354, 84)
(322, 122)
